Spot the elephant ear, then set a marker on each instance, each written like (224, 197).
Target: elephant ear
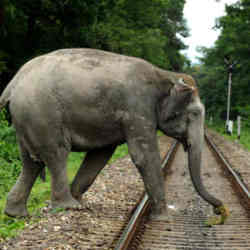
(179, 97)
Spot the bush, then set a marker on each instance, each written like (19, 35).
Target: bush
(219, 126)
(10, 163)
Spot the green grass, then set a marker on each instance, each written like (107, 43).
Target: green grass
(120, 152)
(244, 140)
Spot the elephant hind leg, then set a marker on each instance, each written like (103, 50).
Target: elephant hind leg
(60, 192)
(18, 196)
(93, 163)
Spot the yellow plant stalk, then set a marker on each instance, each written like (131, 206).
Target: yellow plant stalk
(223, 212)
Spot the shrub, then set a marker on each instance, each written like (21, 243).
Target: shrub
(10, 164)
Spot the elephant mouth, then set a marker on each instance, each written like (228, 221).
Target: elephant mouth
(184, 142)
(182, 138)
(186, 145)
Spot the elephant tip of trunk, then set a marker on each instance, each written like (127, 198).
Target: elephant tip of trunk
(224, 213)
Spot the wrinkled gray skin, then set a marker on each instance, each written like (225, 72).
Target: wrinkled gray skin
(91, 100)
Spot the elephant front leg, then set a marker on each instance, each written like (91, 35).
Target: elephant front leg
(93, 163)
(143, 149)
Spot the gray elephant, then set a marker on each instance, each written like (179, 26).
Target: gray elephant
(91, 100)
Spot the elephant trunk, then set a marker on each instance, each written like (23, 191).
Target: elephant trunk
(195, 145)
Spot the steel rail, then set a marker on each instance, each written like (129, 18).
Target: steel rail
(130, 231)
(238, 184)
(144, 206)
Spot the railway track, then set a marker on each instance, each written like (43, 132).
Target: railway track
(188, 212)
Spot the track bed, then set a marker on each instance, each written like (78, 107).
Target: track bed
(188, 212)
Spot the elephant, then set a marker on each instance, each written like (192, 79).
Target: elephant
(89, 100)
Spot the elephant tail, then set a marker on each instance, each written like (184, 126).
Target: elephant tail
(5, 97)
(4, 101)
(43, 175)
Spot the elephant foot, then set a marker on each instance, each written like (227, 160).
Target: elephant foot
(16, 211)
(77, 196)
(69, 203)
(161, 214)
(160, 217)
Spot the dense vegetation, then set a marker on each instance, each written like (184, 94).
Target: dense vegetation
(150, 29)
(212, 73)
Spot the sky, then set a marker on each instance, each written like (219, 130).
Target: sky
(201, 16)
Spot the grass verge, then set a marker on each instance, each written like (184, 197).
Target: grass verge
(244, 140)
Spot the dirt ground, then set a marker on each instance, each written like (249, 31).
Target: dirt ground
(116, 189)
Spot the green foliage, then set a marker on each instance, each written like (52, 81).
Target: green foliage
(120, 152)
(9, 156)
(10, 166)
(9, 226)
(212, 74)
(219, 126)
(57, 210)
(149, 29)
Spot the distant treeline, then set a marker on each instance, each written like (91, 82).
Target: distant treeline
(231, 47)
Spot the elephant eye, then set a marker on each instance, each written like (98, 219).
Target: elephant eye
(196, 113)
(174, 115)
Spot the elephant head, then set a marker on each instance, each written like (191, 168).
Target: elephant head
(181, 115)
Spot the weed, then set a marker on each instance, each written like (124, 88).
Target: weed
(57, 210)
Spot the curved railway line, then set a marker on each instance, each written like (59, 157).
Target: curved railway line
(187, 212)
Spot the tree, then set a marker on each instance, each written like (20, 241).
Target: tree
(149, 29)
(232, 43)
